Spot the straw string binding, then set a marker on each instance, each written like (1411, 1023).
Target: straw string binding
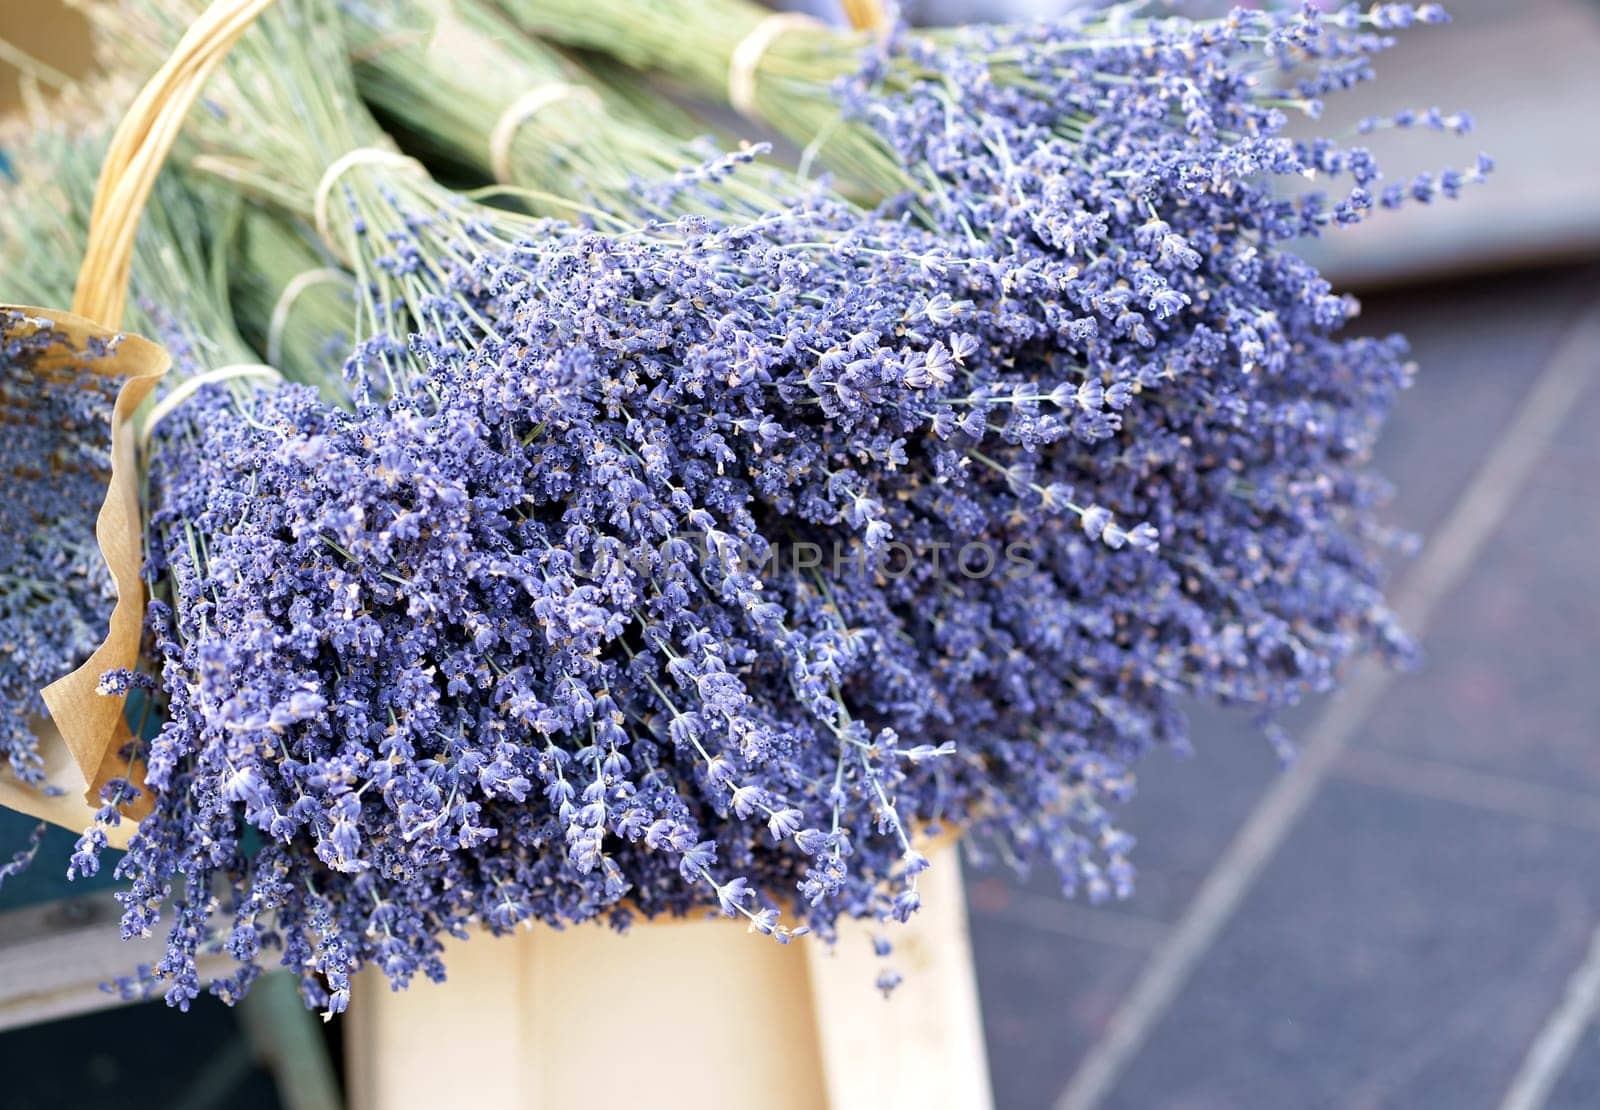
(286, 300)
(168, 404)
(746, 57)
(351, 159)
(523, 109)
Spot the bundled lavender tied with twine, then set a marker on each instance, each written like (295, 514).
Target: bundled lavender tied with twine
(705, 555)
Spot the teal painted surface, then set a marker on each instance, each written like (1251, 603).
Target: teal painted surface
(46, 880)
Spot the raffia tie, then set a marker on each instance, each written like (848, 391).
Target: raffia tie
(361, 156)
(286, 300)
(523, 109)
(746, 58)
(168, 404)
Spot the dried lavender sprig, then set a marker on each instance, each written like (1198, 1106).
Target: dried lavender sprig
(1048, 687)
(1125, 152)
(1118, 312)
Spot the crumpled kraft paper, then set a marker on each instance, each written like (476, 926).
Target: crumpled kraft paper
(82, 740)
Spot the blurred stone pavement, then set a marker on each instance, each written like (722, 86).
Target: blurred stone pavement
(1406, 917)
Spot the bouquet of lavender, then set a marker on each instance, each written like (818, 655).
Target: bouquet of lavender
(849, 99)
(565, 144)
(1114, 175)
(54, 589)
(468, 88)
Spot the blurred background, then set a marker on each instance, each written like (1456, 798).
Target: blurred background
(1407, 917)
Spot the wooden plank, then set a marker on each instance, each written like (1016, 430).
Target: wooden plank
(712, 1016)
(923, 1045)
(702, 1005)
(55, 956)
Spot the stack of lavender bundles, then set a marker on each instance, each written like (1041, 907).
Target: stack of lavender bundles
(1006, 108)
(670, 561)
(510, 107)
(1113, 178)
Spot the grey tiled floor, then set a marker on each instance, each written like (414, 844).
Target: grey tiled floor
(1418, 925)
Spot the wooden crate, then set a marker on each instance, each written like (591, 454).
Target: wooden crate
(711, 1016)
